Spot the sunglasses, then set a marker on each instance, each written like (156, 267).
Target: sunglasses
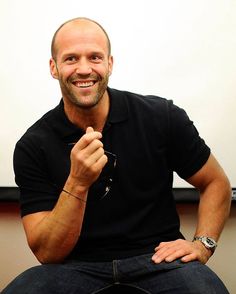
(101, 187)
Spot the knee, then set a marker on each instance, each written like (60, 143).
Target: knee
(204, 280)
(24, 282)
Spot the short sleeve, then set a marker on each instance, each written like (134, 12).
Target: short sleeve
(188, 151)
(37, 192)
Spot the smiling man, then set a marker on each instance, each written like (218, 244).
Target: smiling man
(82, 63)
(95, 176)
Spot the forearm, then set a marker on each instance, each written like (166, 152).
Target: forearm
(213, 211)
(55, 235)
(214, 207)
(52, 235)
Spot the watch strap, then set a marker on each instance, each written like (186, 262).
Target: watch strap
(208, 242)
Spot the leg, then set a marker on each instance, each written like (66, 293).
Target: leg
(70, 278)
(169, 278)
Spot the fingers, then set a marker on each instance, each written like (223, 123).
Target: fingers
(89, 145)
(189, 257)
(168, 251)
(94, 156)
(180, 249)
(86, 139)
(87, 158)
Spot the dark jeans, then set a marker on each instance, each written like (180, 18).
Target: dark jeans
(139, 271)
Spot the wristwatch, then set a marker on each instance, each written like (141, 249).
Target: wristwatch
(208, 242)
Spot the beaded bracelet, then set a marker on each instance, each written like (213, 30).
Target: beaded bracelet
(74, 195)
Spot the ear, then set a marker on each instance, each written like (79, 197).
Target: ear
(110, 64)
(53, 68)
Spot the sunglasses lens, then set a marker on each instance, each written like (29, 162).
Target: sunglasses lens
(102, 186)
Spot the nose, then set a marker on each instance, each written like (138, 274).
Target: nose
(83, 67)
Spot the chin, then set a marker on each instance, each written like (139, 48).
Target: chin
(85, 104)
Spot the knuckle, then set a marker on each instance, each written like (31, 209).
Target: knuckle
(86, 139)
(98, 143)
(79, 157)
(104, 157)
(181, 252)
(94, 170)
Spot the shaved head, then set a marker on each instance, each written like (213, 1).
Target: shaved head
(78, 20)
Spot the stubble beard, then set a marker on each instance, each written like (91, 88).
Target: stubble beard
(77, 100)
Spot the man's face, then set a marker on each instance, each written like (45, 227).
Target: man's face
(82, 64)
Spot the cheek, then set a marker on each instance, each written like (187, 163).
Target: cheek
(103, 71)
(66, 73)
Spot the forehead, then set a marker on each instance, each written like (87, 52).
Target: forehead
(81, 35)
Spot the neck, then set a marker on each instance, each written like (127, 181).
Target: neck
(94, 117)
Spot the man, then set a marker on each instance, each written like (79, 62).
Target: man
(95, 176)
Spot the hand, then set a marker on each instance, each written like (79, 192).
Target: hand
(87, 158)
(183, 249)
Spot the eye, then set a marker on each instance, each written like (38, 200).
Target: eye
(96, 58)
(71, 59)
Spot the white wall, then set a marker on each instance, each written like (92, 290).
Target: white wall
(15, 256)
(180, 49)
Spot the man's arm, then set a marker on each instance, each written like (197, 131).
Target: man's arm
(214, 207)
(53, 234)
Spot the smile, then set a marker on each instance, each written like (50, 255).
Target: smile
(84, 84)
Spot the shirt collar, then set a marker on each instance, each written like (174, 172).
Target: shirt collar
(119, 109)
(59, 122)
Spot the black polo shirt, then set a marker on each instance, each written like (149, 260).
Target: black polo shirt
(151, 138)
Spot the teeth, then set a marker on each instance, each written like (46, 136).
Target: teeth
(84, 84)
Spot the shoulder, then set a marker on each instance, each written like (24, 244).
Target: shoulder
(143, 104)
(39, 130)
(138, 98)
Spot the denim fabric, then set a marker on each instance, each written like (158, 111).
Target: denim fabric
(140, 272)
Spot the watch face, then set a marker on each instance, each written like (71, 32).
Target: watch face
(207, 241)
(210, 242)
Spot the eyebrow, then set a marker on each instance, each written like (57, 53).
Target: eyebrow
(73, 53)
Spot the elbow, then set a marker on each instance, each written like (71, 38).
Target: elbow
(49, 260)
(48, 257)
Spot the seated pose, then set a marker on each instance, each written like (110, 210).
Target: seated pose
(95, 176)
